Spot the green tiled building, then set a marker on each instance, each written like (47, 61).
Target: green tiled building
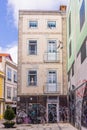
(77, 61)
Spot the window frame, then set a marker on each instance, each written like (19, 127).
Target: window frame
(69, 23)
(34, 78)
(82, 14)
(33, 22)
(73, 71)
(15, 77)
(69, 74)
(14, 92)
(70, 48)
(50, 25)
(9, 74)
(49, 75)
(30, 44)
(83, 50)
(48, 47)
(9, 92)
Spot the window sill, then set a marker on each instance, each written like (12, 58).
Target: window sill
(32, 86)
(9, 79)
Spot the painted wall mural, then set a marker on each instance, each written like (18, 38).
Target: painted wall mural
(78, 107)
(31, 113)
(84, 113)
(63, 114)
(52, 113)
(41, 111)
(84, 108)
(81, 106)
(63, 109)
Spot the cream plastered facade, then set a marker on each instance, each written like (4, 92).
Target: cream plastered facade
(39, 62)
(8, 64)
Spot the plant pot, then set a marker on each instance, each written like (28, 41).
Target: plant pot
(9, 124)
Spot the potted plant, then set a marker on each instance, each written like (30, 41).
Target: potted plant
(9, 116)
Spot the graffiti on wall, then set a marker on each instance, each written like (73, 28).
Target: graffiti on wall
(78, 108)
(52, 113)
(84, 108)
(31, 113)
(64, 113)
(84, 113)
(81, 106)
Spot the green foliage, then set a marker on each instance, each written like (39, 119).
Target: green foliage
(9, 114)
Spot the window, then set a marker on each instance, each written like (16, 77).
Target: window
(52, 51)
(52, 46)
(32, 78)
(33, 24)
(70, 49)
(82, 14)
(69, 23)
(52, 77)
(69, 75)
(9, 92)
(84, 50)
(32, 47)
(51, 24)
(72, 69)
(9, 73)
(15, 76)
(14, 94)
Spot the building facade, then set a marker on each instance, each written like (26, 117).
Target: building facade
(77, 62)
(10, 83)
(42, 81)
(2, 100)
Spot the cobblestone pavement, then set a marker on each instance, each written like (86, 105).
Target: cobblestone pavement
(59, 126)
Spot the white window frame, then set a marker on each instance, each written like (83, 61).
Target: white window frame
(34, 81)
(51, 24)
(33, 24)
(52, 43)
(15, 76)
(32, 43)
(8, 92)
(55, 76)
(14, 92)
(9, 74)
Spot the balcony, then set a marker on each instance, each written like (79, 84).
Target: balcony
(52, 88)
(52, 57)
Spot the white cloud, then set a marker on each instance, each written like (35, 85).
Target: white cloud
(15, 5)
(12, 50)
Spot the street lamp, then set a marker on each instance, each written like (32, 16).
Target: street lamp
(30, 98)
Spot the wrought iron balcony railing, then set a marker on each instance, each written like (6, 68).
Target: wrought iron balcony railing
(51, 57)
(52, 88)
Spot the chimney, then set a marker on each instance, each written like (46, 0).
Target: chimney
(63, 8)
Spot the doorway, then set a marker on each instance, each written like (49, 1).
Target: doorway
(52, 113)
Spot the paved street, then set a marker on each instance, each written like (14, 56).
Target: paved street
(60, 126)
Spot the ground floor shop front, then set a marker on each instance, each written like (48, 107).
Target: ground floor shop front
(41, 109)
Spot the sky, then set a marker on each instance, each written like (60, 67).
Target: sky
(9, 20)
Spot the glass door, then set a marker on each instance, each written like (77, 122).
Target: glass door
(52, 83)
(52, 50)
(52, 113)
